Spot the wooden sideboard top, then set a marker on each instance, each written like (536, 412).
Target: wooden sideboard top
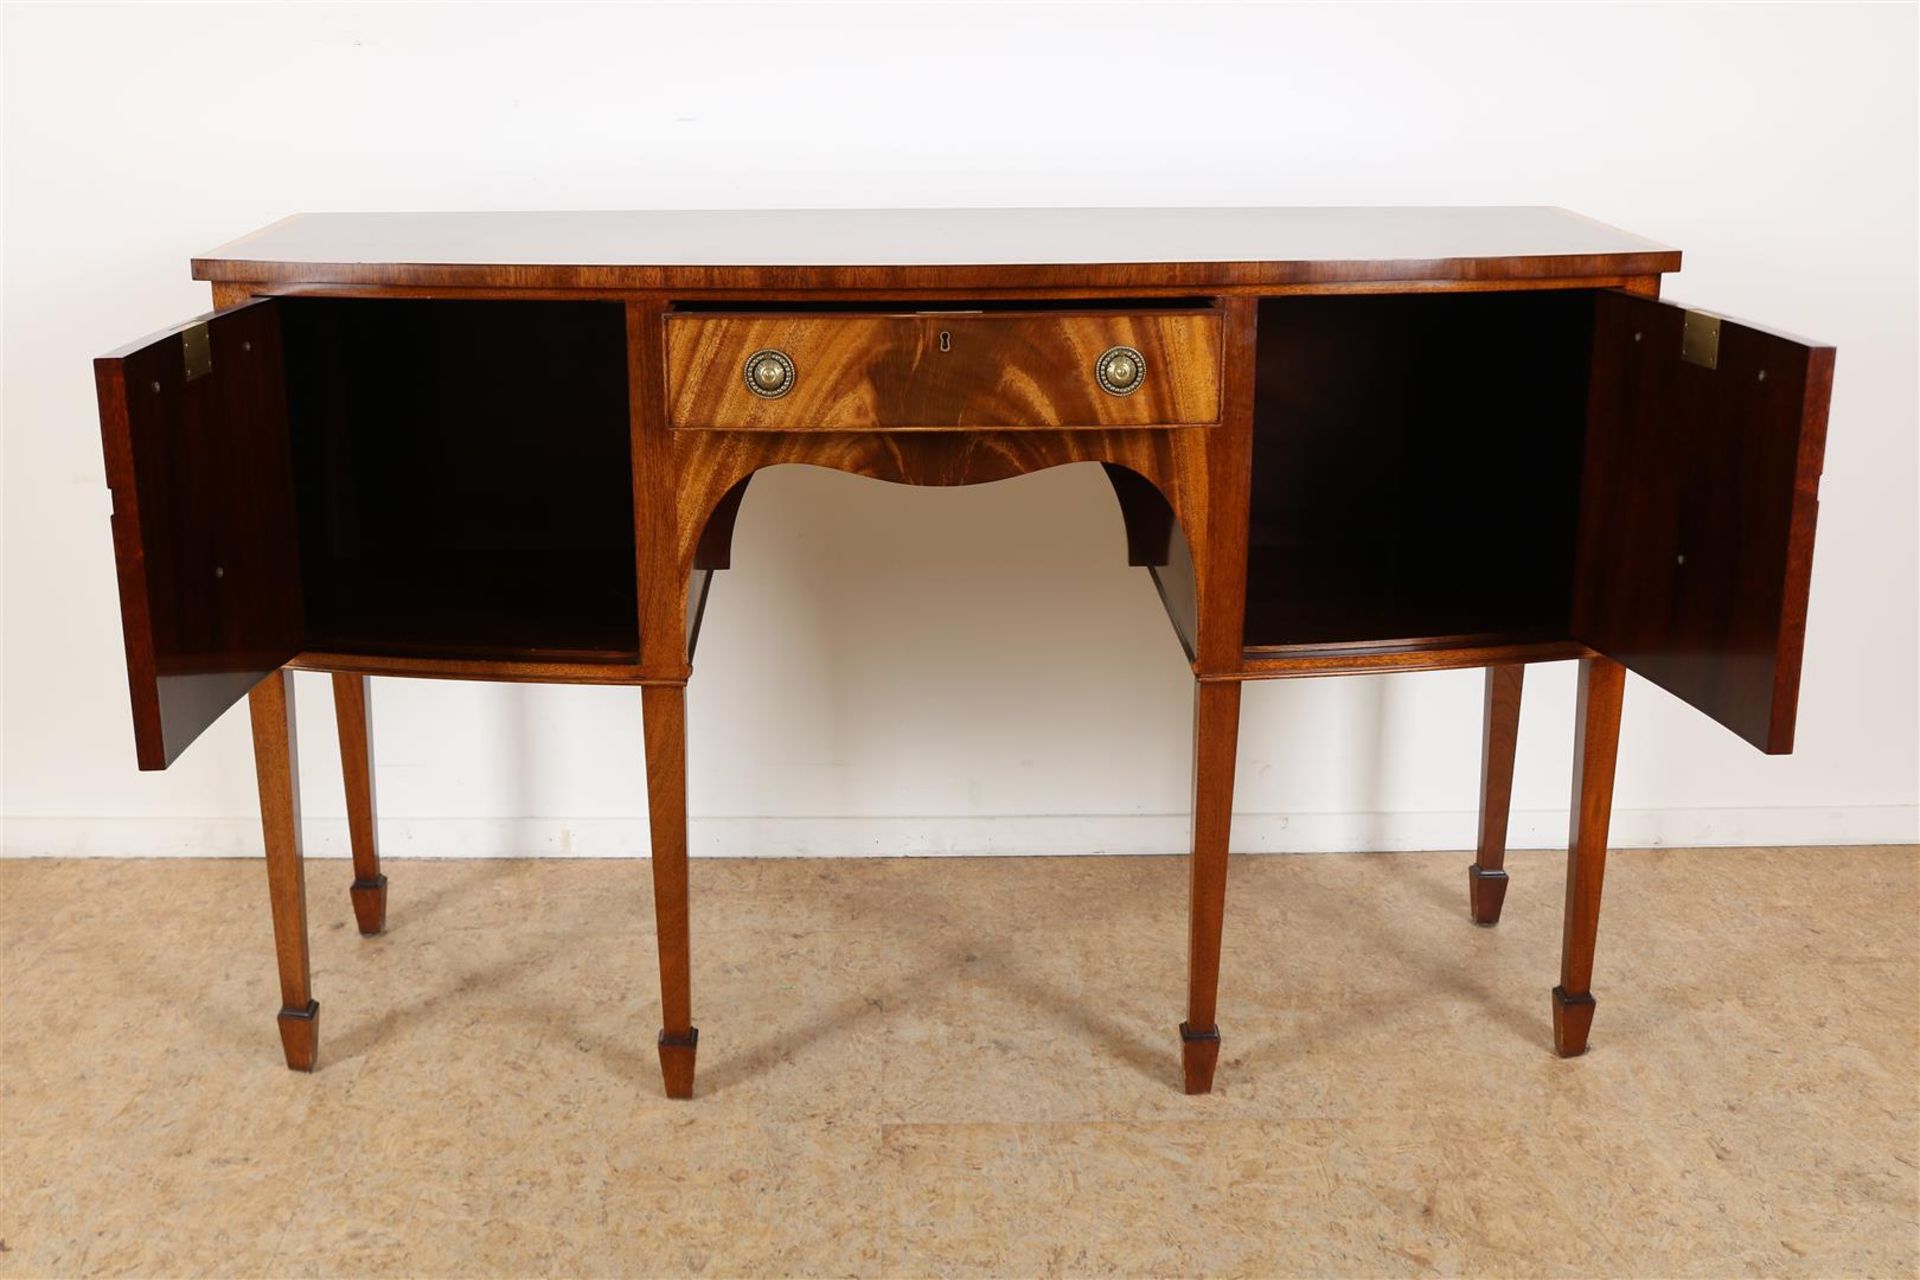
(828, 249)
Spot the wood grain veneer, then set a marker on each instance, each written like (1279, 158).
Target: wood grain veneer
(942, 370)
(815, 249)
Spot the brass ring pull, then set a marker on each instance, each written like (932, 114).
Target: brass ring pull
(769, 373)
(1120, 371)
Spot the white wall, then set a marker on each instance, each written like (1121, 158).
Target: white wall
(891, 669)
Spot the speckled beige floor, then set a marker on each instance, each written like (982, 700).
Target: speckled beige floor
(967, 1067)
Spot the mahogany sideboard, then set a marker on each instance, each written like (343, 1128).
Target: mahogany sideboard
(512, 447)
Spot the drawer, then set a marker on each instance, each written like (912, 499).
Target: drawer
(856, 371)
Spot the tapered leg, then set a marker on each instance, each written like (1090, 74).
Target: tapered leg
(1500, 729)
(278, 765)
(355, 718)
(1596, 745)
(1216, 736)
(665, 710)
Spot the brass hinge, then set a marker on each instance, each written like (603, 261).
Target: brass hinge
(197, 349)
(1700, 340)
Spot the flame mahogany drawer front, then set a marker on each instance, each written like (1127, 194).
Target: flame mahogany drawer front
(930, 370)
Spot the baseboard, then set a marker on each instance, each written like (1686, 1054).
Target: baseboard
(954, 836)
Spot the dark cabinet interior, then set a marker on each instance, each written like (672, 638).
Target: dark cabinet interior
(1416, 466)
(462, 476)
(1514, 467)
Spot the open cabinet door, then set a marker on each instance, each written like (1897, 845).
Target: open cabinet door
(195, 427)
(1701, 483)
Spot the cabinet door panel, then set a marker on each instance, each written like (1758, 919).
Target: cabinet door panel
(194, 423)
(1699, 492)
